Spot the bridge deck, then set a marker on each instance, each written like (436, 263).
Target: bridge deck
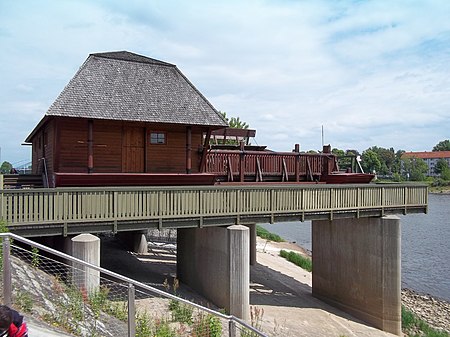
(64, 211)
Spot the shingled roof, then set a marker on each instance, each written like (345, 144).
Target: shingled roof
(126, 86)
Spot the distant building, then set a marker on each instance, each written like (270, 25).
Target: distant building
(431, 158)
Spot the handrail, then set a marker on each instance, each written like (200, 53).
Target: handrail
(128, 280)
(303, 166)
(97, 204)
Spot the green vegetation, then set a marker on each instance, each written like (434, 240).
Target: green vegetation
(390, 165)
(3, 229)
(297, 259)
(35, 260)
(24, 301)
(256, 319)
(6, 167)
(181, 312)
(265, 234)
(415, 327)
(206, 325)
(234, 122)
(443, 145)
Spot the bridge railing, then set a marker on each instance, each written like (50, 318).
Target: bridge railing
(47, 285)
(65, 205)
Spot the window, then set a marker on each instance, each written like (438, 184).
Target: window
(157, 138)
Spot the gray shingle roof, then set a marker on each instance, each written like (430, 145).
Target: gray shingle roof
(131, 87)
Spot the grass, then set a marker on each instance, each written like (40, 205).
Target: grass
(412, 326)
(299, 260)
(265, 234)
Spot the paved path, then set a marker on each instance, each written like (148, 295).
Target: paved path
(283, 290)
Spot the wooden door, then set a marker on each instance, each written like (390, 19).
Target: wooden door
(133, 150)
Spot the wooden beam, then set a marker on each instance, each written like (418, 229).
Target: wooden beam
(188, 149)
(56, 144)
(202, 165)
(241, 162)
(90, 146)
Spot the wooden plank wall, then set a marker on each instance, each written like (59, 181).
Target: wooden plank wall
(171, 157)
(43, 147)
(73, 146)
(70, 143)
(107, 147)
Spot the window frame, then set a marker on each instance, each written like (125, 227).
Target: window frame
(160, 135)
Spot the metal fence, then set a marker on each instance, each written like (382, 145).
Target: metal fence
(44, 283)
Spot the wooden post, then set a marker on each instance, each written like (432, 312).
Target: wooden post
(202, 166)
(188, 149)
(297, 162)
(56, 145)
(90, 146)
(242, 162)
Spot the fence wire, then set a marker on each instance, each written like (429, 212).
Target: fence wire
(59, 291)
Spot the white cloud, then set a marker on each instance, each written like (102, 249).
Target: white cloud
(371, 72)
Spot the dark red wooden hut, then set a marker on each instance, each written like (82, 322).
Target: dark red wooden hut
(125, 119)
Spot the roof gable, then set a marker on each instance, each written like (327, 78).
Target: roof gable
(131, 87)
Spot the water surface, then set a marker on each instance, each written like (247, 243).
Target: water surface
(425, 246)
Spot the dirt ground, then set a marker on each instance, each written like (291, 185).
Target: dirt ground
(278, 288)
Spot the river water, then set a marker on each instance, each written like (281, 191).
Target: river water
(425, 246)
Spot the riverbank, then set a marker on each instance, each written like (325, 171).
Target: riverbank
(433, 311)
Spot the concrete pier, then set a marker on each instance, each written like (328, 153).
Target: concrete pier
(86, 247)
(216, 263)
(135, 241)
(252, 232)
(357, 268)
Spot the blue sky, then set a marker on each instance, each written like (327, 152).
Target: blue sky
(371, 72)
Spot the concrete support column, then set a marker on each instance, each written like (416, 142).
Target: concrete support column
(135, 241)
(357, 268)
(252, 233)
(140, 244)
(239, 252)
(86, 247)
(216, 263)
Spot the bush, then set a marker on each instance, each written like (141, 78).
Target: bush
(297, 259)
(265, 234)
(411, 324)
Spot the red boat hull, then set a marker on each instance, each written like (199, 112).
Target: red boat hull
(348, 178)
(132, 179)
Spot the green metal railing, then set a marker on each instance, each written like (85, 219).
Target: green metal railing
(87, 205)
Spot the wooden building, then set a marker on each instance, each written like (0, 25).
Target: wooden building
(123, 114)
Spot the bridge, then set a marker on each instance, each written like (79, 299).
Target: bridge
(68, 211)
(355, 233)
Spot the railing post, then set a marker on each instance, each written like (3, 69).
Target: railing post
(7, 286)
(131, 311)
(231, 328)
(241, 162)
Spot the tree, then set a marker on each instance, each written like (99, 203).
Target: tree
(370, 161)
(234, 122)
(443, 145)
(415, 168)
(346, 159)
(6, 167)
(442, 169)
(397, 164)
(386, 158)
